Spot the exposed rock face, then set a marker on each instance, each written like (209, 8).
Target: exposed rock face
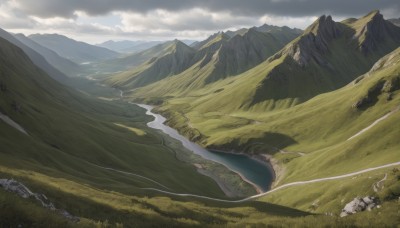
(386, 86)
(374, 32)
(24, 192)
(315, 42)
(358, 205)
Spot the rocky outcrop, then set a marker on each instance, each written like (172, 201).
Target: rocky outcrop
(381, 87)
(359, 204)
(314, 43)
(24, 192)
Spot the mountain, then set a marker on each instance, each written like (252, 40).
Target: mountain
(132, 60)
(395, 21)
(176, 59)
(119, 46)
(325, 57)
(215, 58)
(35, 57)
(127, 46)
(283, 33)
(66, 66)
(76, 51)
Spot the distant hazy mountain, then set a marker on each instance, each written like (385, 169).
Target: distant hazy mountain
(76, 51)
(62, 64)
(128, 46)
(395, 21)
(35, 57)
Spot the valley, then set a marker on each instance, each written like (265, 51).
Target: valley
(251, 127)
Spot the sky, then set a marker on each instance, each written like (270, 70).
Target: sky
(95, 21)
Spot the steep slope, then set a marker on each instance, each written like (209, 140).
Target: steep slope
(176, 59)
(79, 52)
(66, 66)
(36, 58)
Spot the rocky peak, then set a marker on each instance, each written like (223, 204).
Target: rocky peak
(371, 32)
(179, 47)
(324, 27)
(314, 42)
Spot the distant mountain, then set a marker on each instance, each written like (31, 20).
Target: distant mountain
(62, 64)
(284, 33)
(76, 51)
(132, 60)
(176, 58)
(395, 21)
(35, 57)
(128, 46)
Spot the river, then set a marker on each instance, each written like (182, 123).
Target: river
(251, 170)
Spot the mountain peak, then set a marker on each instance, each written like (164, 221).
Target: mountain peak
(314, 42)
(324, 26)
(371, 30)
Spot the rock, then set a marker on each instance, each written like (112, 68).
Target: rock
(24, 192)
(358, 205)
(16, 187)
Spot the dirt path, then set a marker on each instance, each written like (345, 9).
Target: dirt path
(377, 186)
(131, 174)
(374, 123)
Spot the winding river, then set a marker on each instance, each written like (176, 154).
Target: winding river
(251, 170)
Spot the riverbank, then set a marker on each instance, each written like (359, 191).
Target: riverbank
(229, 182)
(249, 170)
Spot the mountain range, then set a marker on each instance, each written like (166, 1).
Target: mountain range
(217, 57)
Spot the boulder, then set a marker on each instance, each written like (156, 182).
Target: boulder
(359, 204)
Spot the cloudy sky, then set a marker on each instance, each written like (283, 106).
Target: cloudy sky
(95, 21)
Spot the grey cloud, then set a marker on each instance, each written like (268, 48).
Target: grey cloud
(294, 8)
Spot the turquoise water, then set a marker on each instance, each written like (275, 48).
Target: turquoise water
(252, 170)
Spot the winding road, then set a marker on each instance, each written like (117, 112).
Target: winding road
(278, 188)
